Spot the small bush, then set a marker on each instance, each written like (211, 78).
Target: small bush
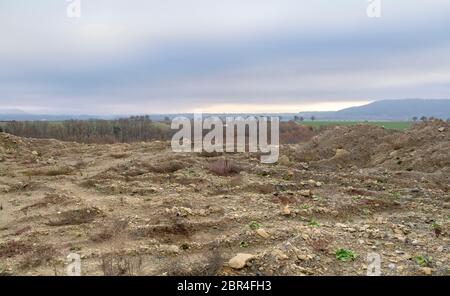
(344, 255)
(437, 229)
(254, 225)
(185, 246)
(424, 261)
(243, 244)
(313, 223)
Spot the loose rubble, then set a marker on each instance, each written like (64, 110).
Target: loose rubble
(358, 189)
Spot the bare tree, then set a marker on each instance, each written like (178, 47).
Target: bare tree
(133, 129)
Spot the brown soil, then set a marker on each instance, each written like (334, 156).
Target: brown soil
(142, 209)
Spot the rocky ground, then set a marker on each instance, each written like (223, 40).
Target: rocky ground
(142, 209)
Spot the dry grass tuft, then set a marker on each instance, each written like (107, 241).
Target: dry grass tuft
(262, 188)
(13, 248)
(120, 264)
(224, 167)
(39, 256)
(119, 155)
(49, 199)
(76, 217)
(320, 244)
(208, 264)
(165, 167)
(114, 229)
(50, 172)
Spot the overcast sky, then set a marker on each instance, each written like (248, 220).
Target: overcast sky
(168, 56)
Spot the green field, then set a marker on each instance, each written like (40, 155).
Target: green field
(387, 124)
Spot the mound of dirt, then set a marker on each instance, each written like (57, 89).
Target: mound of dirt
(346, 146)
(293, 133)
(11, 146)
(424, 147)
(141, 209)
(28, 149)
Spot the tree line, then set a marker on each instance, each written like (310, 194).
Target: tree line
(125, 130)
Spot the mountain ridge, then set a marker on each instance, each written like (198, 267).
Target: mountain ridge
(399, 109)
(389, 110)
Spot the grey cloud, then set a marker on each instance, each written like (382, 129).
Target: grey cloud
(164, 55)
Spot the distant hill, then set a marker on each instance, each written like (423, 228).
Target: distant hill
(386, 110)
(404, 109)
(23, 116)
